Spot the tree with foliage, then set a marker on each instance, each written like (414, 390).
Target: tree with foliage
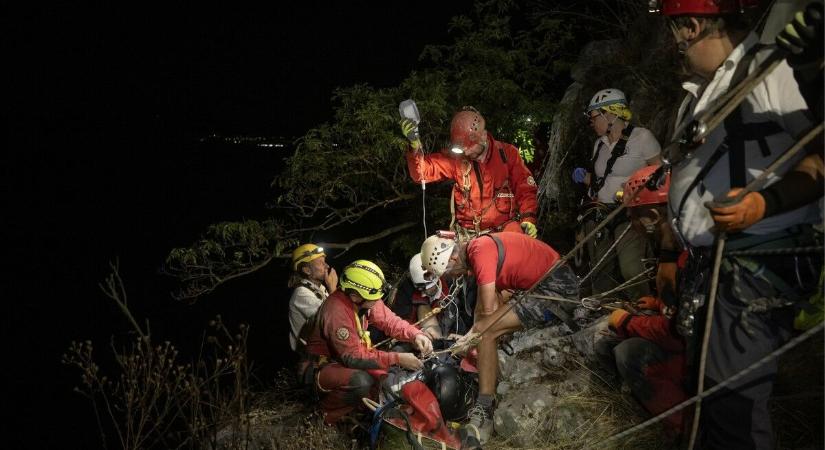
(349, 175)
(510, 59)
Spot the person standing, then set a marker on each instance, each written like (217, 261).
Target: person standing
(620, 150)
(753, 309)
(493, 190)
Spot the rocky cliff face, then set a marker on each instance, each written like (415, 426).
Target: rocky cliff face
(645, 67)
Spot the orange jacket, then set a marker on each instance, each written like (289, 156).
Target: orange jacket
(492, 192)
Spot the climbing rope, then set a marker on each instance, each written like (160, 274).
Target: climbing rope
(606, 254)
(442, 305)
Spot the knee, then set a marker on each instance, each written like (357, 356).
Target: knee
(629, 355)
(360, 383)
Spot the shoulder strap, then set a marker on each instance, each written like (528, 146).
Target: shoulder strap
(500, 249)
(502, 154)
(737, 132)
(618, 150)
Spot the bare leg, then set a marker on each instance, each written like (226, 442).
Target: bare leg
(487, 348)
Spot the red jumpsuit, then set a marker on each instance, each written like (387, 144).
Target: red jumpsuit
(497, 193)
(650, 356)
(348, 374)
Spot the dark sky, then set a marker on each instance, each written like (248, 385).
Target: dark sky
(268, 69)
(100, 161)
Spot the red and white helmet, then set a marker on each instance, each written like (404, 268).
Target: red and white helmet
(700, 7)
(636, 185)
(467, 129)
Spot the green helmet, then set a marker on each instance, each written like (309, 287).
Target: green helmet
(364, 277)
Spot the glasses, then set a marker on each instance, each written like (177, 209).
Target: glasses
(591, 117)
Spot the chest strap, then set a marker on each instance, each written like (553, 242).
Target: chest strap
(618, 151)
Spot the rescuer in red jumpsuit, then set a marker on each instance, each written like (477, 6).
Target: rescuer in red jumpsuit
(493, 191)
(340, 346)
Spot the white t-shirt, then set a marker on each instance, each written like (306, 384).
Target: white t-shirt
(641, 147)
(776, 99)
(303, 305)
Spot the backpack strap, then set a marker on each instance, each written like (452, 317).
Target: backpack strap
(500, 249)
(618, 151)
(738, 132)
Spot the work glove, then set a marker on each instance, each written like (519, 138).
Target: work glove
(649, 302)
(423, 344)
(579, 175)
(529, 229)
(617, 319)
(410, 130)
(802, 36)
(409, 361)
(737, 217)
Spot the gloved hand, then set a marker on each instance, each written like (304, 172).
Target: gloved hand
(529, 229)
(802, 36)
(649, 302)
(423, 344)
(579, 174)
(410, 131)
(617, 319)
(748, 211)
(409, 361)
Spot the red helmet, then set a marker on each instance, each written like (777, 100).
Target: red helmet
(700, 7)
(467, 128)
(643, 195)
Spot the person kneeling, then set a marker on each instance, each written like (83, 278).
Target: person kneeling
(346, 363)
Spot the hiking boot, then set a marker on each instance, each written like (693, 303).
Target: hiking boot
(477, 431)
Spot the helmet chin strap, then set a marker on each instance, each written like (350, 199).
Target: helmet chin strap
(485, 146)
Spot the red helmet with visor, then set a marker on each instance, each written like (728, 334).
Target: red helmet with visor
(467, 130)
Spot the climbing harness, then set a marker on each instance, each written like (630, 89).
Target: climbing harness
(618, 151)
(717, 260)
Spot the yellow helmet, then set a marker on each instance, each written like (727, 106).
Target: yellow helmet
(364, 277)
(306, 253)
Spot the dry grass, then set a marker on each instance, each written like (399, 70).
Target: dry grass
(584, 417)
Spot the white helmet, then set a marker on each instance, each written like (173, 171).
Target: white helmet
(417, 272)
(435, 254)
(432, 287)
(606, 97)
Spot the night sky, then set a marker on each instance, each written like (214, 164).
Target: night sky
(103, 110)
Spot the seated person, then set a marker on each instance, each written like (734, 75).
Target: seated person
(345, 361)
(312, 280)
(645, 351)
(419, 294)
